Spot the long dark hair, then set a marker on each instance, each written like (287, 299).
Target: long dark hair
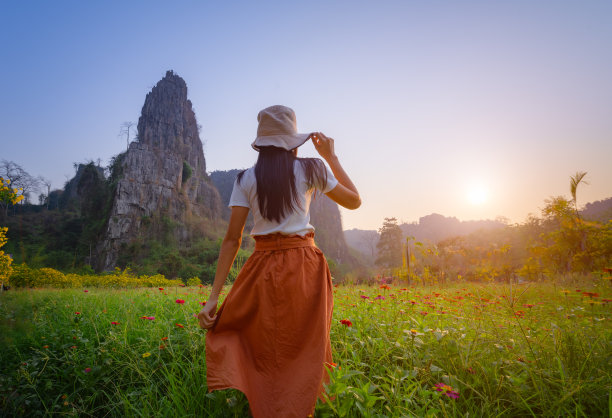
(277, 193)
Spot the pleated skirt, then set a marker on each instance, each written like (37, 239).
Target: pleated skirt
(271, 336)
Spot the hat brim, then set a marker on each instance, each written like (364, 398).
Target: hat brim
(287, 142)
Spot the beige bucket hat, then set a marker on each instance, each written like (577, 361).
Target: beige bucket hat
(278, 128)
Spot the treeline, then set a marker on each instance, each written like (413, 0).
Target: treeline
(559, 242)
(63, 230)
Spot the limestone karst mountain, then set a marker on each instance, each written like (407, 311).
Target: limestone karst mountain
(162, 176)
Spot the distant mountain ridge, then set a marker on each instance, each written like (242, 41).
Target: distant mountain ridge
(600, 210)
(435, 228)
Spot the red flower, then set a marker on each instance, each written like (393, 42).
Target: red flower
(77, 313)
(164, 338)
(85, 290)
(160, 288)
(87, 369)
(115, 323)
(180, 325)
(181, 301)
(203, 303)
(346, 322)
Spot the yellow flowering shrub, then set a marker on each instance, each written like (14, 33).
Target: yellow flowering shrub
(194, 281)
(5, 260)
(23, 276)
(7, 195)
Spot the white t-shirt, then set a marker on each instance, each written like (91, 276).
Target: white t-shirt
(298, 221)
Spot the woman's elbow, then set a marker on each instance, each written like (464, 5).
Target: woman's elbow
(355, 203)
(232, 241)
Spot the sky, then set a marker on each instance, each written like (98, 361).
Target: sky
(471, 109)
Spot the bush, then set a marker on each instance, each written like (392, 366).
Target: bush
(23, 276)
(194, 281)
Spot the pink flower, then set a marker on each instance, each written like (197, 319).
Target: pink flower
(85, 290)
(181, 301)
(364, 297)
(151, 318)
(87, 369)
(448, 391)
(115, 323)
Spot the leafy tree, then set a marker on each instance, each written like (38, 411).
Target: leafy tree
(18, 178)
(389, 245)
(8, 195)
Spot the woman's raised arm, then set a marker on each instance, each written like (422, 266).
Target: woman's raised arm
(345, 193)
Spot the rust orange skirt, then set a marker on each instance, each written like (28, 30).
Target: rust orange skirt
(271, 336)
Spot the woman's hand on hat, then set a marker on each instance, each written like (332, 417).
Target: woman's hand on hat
(207, 316)
(324, 145)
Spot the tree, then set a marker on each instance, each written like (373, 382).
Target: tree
(18, 178)
(8, 195)
(390, 244)
(125, 130)
(47, 184)
(574, 182)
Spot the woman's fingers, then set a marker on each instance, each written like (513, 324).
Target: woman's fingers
(206, 320)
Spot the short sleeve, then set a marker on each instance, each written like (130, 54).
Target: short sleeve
(238, 197)
(331, 181)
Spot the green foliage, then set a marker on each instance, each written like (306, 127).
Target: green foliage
(193, 281)
(390, 244)
(187, 171)
(535, 350)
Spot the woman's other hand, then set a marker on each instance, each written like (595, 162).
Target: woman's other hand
(207, 315)
(324, 145)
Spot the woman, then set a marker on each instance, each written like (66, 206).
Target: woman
(270, 337)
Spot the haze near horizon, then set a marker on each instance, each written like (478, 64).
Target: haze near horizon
(473, 109)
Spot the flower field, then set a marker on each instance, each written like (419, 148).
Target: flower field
(467, 349)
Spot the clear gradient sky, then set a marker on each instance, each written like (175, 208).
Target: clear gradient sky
(428, 101)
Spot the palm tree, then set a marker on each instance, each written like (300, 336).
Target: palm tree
(574, 182)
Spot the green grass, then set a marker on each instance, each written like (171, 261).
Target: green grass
(529, 350)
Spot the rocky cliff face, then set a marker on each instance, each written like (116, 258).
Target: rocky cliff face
(325, 217)
(162, 175)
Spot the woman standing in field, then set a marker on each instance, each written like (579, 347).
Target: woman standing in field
(270, 337)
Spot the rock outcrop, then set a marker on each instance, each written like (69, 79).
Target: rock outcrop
(162, 175)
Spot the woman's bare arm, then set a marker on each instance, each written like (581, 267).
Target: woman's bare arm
(345, 193)
(227, 254)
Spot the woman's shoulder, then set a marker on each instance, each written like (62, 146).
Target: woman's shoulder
(246, 176)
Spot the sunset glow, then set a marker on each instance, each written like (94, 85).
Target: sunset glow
(477, 195)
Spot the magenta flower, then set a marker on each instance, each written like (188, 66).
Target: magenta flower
(448, 391)
(180, 301)
(364, 297)
(87, 369)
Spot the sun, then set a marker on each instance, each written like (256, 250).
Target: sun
(477, 195)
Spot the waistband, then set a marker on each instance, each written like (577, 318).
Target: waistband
(273, 242)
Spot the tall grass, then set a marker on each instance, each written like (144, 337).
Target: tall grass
(531, 350)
